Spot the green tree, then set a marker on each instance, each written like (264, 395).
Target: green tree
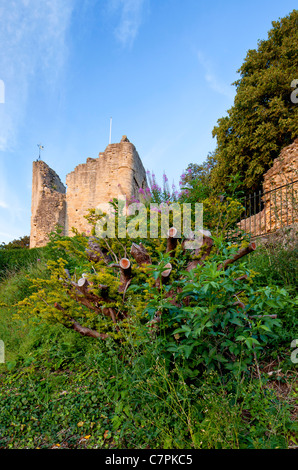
(195, 182)
(263, 118)
(22, 242)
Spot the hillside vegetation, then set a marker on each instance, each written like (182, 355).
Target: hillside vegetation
(143, 342)
(181, 367)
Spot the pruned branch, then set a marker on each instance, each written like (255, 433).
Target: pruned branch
(140, 254)
(172, 241)
(167, 271)
(241, 278)
(87, 331)
(85, 287)
(125, 273)
(113, 317)
(95, 253)
(164, 275)
(244, 251)
(239, 304)
(78, 327)
(82, 293)
(201, 253)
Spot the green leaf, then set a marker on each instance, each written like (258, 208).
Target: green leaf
(264, 327)
(250, 341)
(241, 338)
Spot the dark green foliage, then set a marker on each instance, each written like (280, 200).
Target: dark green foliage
(22, 242)
(263, 118)
(59, 389)
(11, 260)
(67, 392)
(276, 265)
(211, 330)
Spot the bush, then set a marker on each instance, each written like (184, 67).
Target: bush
(14, 259)
(276, 265)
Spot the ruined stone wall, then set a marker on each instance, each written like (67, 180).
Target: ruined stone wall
(118, 171)
(48, 204)
(280, 198)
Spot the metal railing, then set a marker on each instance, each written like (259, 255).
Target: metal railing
(265, 212)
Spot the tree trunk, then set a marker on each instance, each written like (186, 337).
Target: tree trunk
(140, 254)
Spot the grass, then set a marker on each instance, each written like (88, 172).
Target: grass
(11, 261)
(60, 390)
(276, 265)
(69, 393)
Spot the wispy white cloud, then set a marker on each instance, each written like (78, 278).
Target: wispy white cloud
(131, 16)
(215, 83)
(13, 215)
(33, 41)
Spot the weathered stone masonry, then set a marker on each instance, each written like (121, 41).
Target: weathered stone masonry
(117, 171)
(280, 205)
(48, 205)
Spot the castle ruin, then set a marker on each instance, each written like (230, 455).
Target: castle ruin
(118, 171)
(279, 196)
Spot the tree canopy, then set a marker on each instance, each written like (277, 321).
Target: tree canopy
(22, 242)
(264, 117)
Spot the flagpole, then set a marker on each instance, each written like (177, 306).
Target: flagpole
(110, 140)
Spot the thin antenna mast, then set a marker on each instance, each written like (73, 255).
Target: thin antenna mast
(110, 140)
(41, 147)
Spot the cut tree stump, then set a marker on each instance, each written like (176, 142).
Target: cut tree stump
(172, 241)
(125, 273)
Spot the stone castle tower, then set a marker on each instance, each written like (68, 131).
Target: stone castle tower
(117, 171)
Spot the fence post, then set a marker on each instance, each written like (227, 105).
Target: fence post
(270, 209)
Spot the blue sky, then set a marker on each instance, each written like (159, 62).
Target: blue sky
(163, 69)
